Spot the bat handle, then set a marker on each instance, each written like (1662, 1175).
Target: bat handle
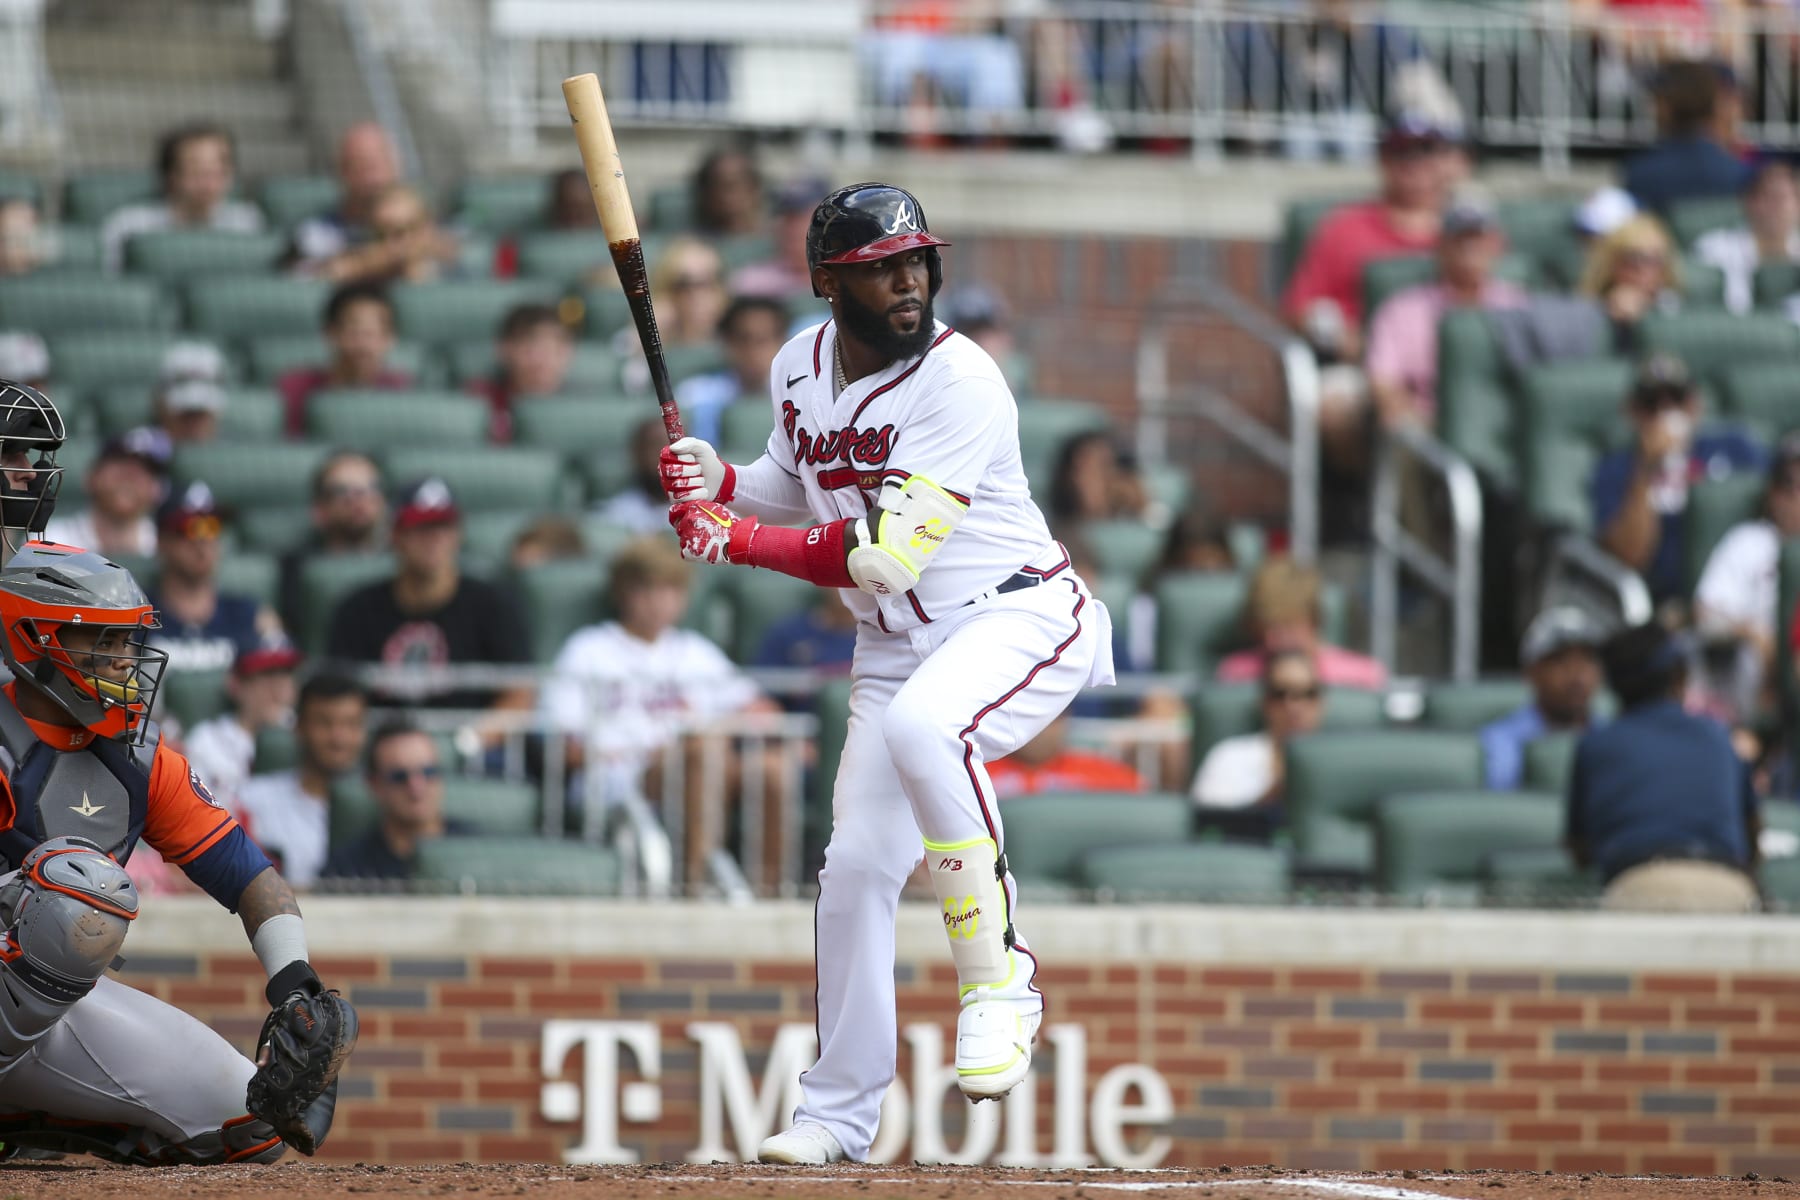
(671, 416)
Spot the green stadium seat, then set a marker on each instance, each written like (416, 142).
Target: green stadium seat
(273, 356)
(517, 866)
(1336, 779)
(375, 420)
(1572, 413)
(75, 249)
(78, 303)
(1384, 277)
(594, 366)
(1200, 618)
(273, 529)
(1714, 506)
(252, 415)
(451, 312)
(117, 409)
(291, 199)
(1196, 872)
(492, 806)
(255, 575)
(490, 477)
(560, 597)
(1763, 395)
(1044, 425)
(1543, 229)
(1544, 876)
(685, 362)
(1476, 414)
(243, 477)
(1780, 880)
(191, 697)
(277, 749)
(740, 251)
(1299, 222)
(1046, 834)
(324, 582)
(570, 256)
(594, 434)
(1709, 342)
(1167, 484)
(1123, 547)
(1224, 710)
(1436, 842)
(1549, 761)
(1688, 219)
(503, 203)
(1466, 707)
(672, 208)
(606, 538)
(15, 186)
(1702, 287)
(1774, 283)
(488, 536)
(92, 196)
(174, 256)
(100, 360)
(475, 254)
(758, 600)
(605, 309)
(257, 307)
(745, 426)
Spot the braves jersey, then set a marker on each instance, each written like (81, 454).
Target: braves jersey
(947, 415)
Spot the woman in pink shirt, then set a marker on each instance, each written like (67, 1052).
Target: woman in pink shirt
(1282, 613)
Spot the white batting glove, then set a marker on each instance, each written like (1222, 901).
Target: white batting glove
(692, 470)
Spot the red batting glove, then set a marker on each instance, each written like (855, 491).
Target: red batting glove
(709, 532)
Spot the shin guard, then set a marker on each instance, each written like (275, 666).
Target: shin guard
(967, 879)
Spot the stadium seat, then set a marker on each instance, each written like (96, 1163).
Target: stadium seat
(560, 597)
(1126, 546)
(1571, 413)
(375, 420)
(592, 433)
(257, 307)
(174, 256)
(1223, 710)
(255, 575)
(274, 529)
(1202, 872)
(291, 199)
(475, 255)
(101, 360)
(1336, 779)
(1549, 761)
(1762, 396)
(1702, 287)
(273, 356)
(503, 203)
(758, 599)
(745, 426)
(117, 409)
(1543, 229)
(1436, 842)
(1466, 707)
(252, 415)
(594, 366)
(1476, 414)
(277, 749)
(492, 806)
(76, 250)
(1299, 222)
(1199, 618)
(606, 538)
(1688, 219)
(1046, 834)
(1709, 342)
(274, 474)
(741, 250)
(1542, 877)
(517, 866)
(488, 536)
(445, 313)
(685, 362)
(1714, 506)
(605, 309)
(1044, 425)
(569, 256)
(324, 582)
(672, 208)
(91, 196)
(16, 186)
(191, 697)
(353, 812)
(489, 477)
(77, 303)
(1774, 283)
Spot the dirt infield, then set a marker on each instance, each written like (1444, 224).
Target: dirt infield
(84, 1179)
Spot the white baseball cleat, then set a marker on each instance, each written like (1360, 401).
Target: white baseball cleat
(993, 1046)
(805, 1145)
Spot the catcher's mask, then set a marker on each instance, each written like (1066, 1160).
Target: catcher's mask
(31, 432)
(75, 628)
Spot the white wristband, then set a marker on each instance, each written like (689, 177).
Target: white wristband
(279, 941)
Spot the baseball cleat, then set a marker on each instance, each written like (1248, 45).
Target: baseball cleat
(805, 1145)
(993, 1046)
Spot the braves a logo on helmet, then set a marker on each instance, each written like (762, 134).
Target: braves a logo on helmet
(905, 220)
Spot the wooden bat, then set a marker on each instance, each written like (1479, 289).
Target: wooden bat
(612, 200)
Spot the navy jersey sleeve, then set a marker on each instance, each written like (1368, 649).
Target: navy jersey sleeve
(226, 869)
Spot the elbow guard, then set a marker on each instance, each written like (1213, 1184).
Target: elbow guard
(898, 540)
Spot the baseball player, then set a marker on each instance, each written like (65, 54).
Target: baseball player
(896, 452)
(88, 1064)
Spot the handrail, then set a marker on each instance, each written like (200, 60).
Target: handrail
(384, 94)
(1457, 580)
(1626, 587)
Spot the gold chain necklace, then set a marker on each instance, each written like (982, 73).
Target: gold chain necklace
(837, 368)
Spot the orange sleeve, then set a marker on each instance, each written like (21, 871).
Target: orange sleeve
(184, 821)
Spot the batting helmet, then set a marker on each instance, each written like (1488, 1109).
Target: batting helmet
(107, 683)
(869, 221)
(31, 432)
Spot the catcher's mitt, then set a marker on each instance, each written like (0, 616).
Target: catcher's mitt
(303, 1043)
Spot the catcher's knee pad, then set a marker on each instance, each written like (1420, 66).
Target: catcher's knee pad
(967, 877)
(65, 913)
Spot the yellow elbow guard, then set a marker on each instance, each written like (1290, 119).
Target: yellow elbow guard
(897, 541)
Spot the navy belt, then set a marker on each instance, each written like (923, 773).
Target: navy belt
(1018, 581)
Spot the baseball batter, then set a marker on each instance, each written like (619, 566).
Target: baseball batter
(896, 455)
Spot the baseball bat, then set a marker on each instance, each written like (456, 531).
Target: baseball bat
(612, 200)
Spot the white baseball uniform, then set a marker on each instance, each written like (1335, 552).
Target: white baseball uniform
(946, 677)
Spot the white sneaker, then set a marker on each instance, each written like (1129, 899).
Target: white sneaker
(993, 1046)
(805, 1145)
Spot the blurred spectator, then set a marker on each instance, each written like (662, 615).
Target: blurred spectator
(688, 281)
(196, 165)
(1403, 336)
(288, 812)
(1659, 802)
(1560, 654)
(359, 324)
(751, 332)
(642, 507)
(190, 394)
(1738, 596)
(549, 538)
(1196, 540)
(349, 516)
(203, 629)
(784, 274)
(1770, 233)
(124, 485)
(406, 777)
(979, 315)
(1687, 162)
(728, 194)
(535, 349)
(1095, 481)
(405, 244)
(1603, 212)
(820, 637)
(1639, 494)
(24, 244)
(1046, 764)
(431, 615)
(571, 204)
(1631, 272)
(261, 690)
(367, 166)
(1324, 297)
(927, 54)
(24, 357)
(1282, 612)
(1248, 771)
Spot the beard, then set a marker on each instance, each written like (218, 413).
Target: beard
(874, 328)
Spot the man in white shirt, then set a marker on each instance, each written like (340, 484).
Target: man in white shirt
(288, 812)
(1247, 771)
(124, 484)
(261, 687)
(197, 166)
(1770, 234)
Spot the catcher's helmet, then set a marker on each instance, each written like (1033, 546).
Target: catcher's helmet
(869, 221)
(31, 432)
(47, 589)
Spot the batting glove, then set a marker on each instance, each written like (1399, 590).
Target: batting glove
(711, 533)
(692, 470)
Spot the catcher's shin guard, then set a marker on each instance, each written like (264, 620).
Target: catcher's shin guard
(65, 913)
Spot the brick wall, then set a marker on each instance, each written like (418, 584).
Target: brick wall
(1302, 1066)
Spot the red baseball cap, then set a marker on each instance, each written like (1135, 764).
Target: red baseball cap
(271, 654)
(426, 502)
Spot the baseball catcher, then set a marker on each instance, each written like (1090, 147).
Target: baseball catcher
(86, 1063)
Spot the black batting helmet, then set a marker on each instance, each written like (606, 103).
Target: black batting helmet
(31, 432)
(869, 221)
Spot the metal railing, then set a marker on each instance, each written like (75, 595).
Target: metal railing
(1579, 572)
